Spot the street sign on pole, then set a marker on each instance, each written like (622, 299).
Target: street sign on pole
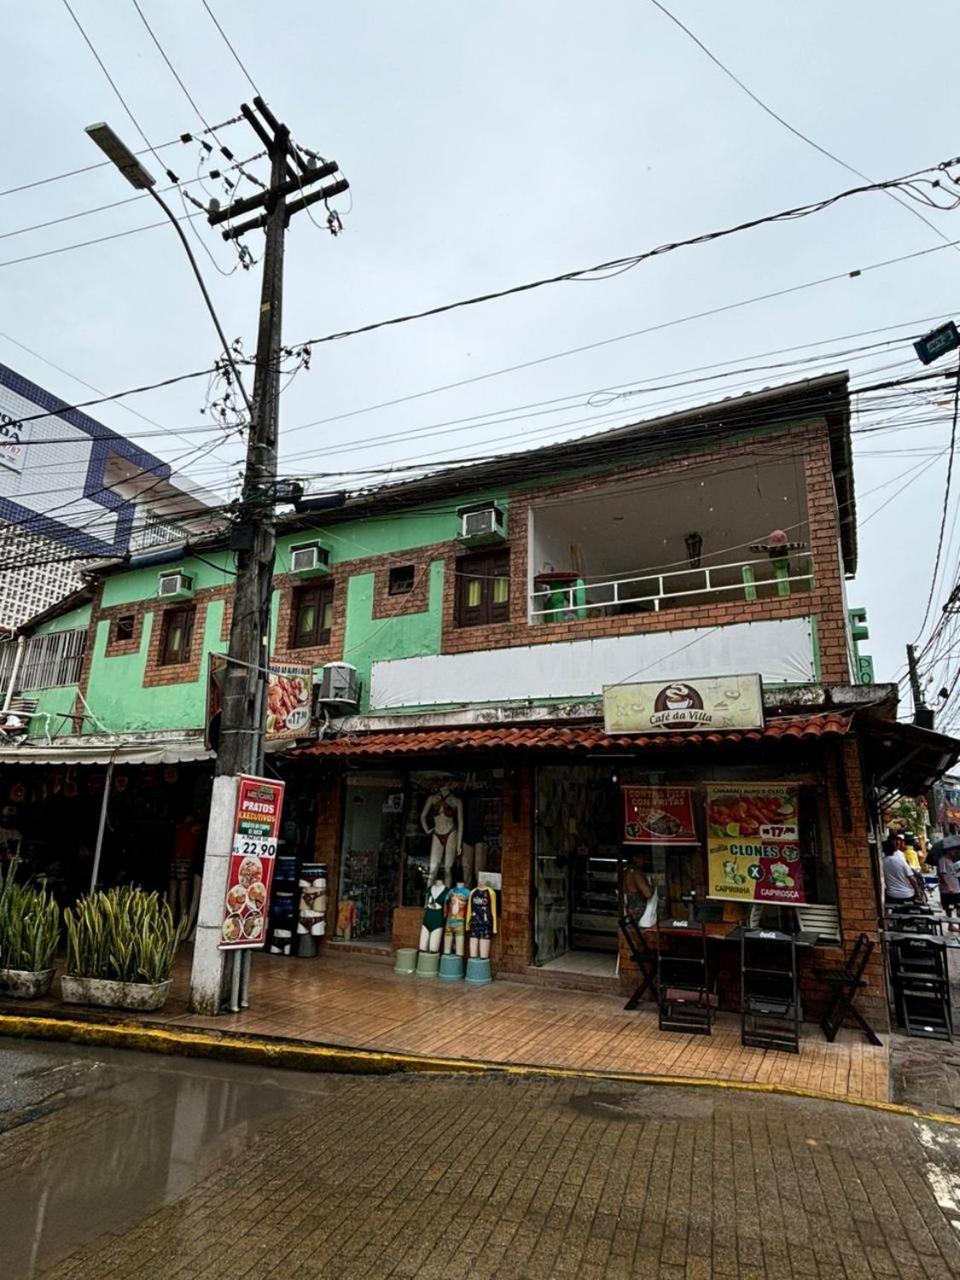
(937, 342)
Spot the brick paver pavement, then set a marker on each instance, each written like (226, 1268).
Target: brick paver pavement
(445, 1178)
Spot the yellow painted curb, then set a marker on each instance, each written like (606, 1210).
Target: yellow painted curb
(300, 1056)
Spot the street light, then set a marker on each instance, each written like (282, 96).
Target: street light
(120, 155)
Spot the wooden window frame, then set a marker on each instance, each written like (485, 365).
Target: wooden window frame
(485, 566)
(167, 655)
(129, 622)
(401, 586)
(320, 594)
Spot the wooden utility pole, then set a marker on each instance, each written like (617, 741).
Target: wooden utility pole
(243, 714)
(922, 714)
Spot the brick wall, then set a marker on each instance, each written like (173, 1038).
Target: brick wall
(825, 601)
(516, 839)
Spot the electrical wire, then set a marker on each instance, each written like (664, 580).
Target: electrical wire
(113, 85)
(87, 168)
(946, 503)
(85, 244)
(236, 55)
(584, 274)
(797, 133)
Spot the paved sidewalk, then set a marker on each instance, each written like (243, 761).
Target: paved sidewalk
(359, 1003)
(926, 1073)
(450, 1178)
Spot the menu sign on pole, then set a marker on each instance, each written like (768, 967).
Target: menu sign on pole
(658, 815)
(753, 843)
(252, 859)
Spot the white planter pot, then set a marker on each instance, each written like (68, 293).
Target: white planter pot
(25, 984)
(141, 997)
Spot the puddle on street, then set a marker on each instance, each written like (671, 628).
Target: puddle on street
(139, 1136)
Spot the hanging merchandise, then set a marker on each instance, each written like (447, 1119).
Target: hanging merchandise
(753, 843)
(658, 815)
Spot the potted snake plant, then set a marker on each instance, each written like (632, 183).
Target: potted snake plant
(121, 948)
(29, 936)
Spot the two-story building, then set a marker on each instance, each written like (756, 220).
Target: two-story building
(488, 612)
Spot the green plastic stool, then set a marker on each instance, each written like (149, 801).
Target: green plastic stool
(406, 962)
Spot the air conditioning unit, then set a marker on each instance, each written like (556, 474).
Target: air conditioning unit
(175, 586)
(339, 687)
(309, 559)
(486, 522)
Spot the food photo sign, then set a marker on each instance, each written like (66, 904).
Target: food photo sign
(252, 859)
(289, 694)
(658, 815)
(753, 843)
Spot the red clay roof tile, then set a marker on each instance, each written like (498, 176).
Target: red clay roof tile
(553, 737)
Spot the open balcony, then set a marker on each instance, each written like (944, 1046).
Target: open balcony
(734, 533)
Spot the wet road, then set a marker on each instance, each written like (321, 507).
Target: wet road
(127, 1166)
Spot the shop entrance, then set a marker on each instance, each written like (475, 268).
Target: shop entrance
(577, 868)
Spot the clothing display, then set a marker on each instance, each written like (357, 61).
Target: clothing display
(457, 903)
(482, 913)
(434, 912)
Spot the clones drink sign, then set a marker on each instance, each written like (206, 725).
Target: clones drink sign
(710, 703)
(753, 843)
(252, 859)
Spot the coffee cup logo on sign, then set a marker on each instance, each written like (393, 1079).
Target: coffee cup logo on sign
(680, 706)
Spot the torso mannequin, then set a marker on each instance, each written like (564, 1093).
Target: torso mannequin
(431, 930)
(442, 818)
(457, 903)
(481, 920)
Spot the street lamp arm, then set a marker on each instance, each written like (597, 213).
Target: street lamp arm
(206, 297)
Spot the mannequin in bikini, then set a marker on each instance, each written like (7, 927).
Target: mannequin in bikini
(434, 916)
(455, 927)
(442, 818)
(481, 921)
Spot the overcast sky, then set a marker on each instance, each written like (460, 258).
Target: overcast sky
(486, 145)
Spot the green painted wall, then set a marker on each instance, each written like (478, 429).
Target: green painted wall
(118, 699)
(215, 570)
(409, 636)
(60, 700)
(79, 617)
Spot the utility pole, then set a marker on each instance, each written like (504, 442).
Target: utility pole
(922, 714)
(243, 715)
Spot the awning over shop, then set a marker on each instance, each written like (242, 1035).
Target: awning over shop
(184, 751)
(568, 738)
(905, 758)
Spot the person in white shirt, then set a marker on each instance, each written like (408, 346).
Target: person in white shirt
(901, 884)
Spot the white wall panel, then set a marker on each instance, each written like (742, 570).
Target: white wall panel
(782, 652)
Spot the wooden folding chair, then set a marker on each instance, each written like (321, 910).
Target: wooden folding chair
(643, 957)
(844, 984)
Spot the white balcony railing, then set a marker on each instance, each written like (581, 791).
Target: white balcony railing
(154, 532)
(652, 592)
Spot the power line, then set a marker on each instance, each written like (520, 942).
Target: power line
(85, 244)
(123, 102)
(236, 55)
(606, 270)
(797, 133)
(946, 503)
(87, 168)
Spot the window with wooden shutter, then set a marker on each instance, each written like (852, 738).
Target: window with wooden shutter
(311, 618)
(176, 639)
(483, 588)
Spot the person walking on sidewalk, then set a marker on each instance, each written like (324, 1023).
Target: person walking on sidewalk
(901, 884)
(949, 881)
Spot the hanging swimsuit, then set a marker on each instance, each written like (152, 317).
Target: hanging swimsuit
(433, 914)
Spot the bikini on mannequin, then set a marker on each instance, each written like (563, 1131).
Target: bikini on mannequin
(434, 915)
(481, 921)
(445, 811)
(455, 928)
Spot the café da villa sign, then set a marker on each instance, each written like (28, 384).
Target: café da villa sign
(710, 703)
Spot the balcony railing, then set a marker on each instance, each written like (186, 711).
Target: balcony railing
(745, 580)
(153, 532)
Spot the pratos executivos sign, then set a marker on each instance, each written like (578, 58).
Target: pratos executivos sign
(684, 706)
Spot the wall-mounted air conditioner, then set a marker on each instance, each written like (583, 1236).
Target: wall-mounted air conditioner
(339, 687)
(483, 523)
(175, 586)
(308, 559)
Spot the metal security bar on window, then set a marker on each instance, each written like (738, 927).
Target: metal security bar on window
(745, 580)
(52, 660)
(154, 532)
